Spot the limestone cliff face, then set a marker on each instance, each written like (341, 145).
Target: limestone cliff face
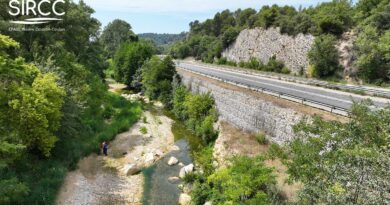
(264, 43)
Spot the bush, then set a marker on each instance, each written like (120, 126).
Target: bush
(246, 181)
(324, 57)
(275, 151)
(204, 159)
(143, 130)
(261, 138)
(108, 112)
(275, 65)
(285, 70)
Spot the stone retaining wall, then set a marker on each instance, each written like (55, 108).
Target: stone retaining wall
(249, 112)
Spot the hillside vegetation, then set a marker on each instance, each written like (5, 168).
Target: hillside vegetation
(54, 105)
(327, 21)
(163, 41)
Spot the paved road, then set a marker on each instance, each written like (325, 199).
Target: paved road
(338, 99)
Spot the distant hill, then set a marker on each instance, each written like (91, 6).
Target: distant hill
(163, 41)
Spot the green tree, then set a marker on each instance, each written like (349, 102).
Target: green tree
(373, 51)
(324, 57)
(115, 34)
(157, 77)
(245, 181)
(343, 163)
(333, 17)
(179, 96)
(129, 58)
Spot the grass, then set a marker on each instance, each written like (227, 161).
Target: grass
(261, 138)
(44, 177)
(143, 130)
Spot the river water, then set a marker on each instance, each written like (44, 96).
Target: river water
(157, 189)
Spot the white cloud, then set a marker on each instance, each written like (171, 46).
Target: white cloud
(185, 5)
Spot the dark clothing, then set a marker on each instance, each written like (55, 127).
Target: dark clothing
(105, 149)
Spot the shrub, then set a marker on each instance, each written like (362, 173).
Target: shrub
(285, 70)
(204, 159)
(275, 151)
(261, 138)
(324, 57)
(143, 130)
(246, 181)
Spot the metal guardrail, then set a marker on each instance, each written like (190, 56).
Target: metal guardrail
(355, 88)
(313, 103)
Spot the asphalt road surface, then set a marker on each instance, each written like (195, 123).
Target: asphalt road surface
(337, 99)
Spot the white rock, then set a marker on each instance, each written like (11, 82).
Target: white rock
(180, 186)
(184, 199)
(208, 203)
(173, 180)
(181, 164)
(172, 161)
(149, 158)
(159, 153)
(186, 170)
(131, 169)
(175, 148)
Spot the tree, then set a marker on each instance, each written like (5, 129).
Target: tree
(324, 56)
(373, 51)
(116, 33)
(246, 181)
(229, 36)
(333, 17)
(343, 163)
(129, 58)
(157, 77)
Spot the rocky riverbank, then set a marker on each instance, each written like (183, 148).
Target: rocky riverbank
(115, 179)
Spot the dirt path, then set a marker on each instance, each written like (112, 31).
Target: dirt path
(104, 180)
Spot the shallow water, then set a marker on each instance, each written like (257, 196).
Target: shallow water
(157, 189)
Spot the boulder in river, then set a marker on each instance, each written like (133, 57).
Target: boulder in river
(131, 169)
(175, 148)
(172, 161)
(173, 180)
(186, 170)
(184, 199)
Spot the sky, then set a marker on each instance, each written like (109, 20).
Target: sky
(174, 16)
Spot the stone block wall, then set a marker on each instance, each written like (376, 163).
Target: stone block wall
(249, 112)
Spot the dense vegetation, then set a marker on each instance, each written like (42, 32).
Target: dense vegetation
(54, 105)
(163, 41)
(128, 61)
(157, 78)
(327, 21)
(343, 163)
(115, 34)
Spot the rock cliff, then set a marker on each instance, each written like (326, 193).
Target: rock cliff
(264, 43)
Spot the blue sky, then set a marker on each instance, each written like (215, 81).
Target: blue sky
(173, 16)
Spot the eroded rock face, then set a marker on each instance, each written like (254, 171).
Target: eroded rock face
(264, 43)
(347, 57)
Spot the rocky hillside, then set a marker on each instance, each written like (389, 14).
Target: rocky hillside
(264, 43)
(292, 50)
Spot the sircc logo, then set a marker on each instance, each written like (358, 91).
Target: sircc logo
(32, 8)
